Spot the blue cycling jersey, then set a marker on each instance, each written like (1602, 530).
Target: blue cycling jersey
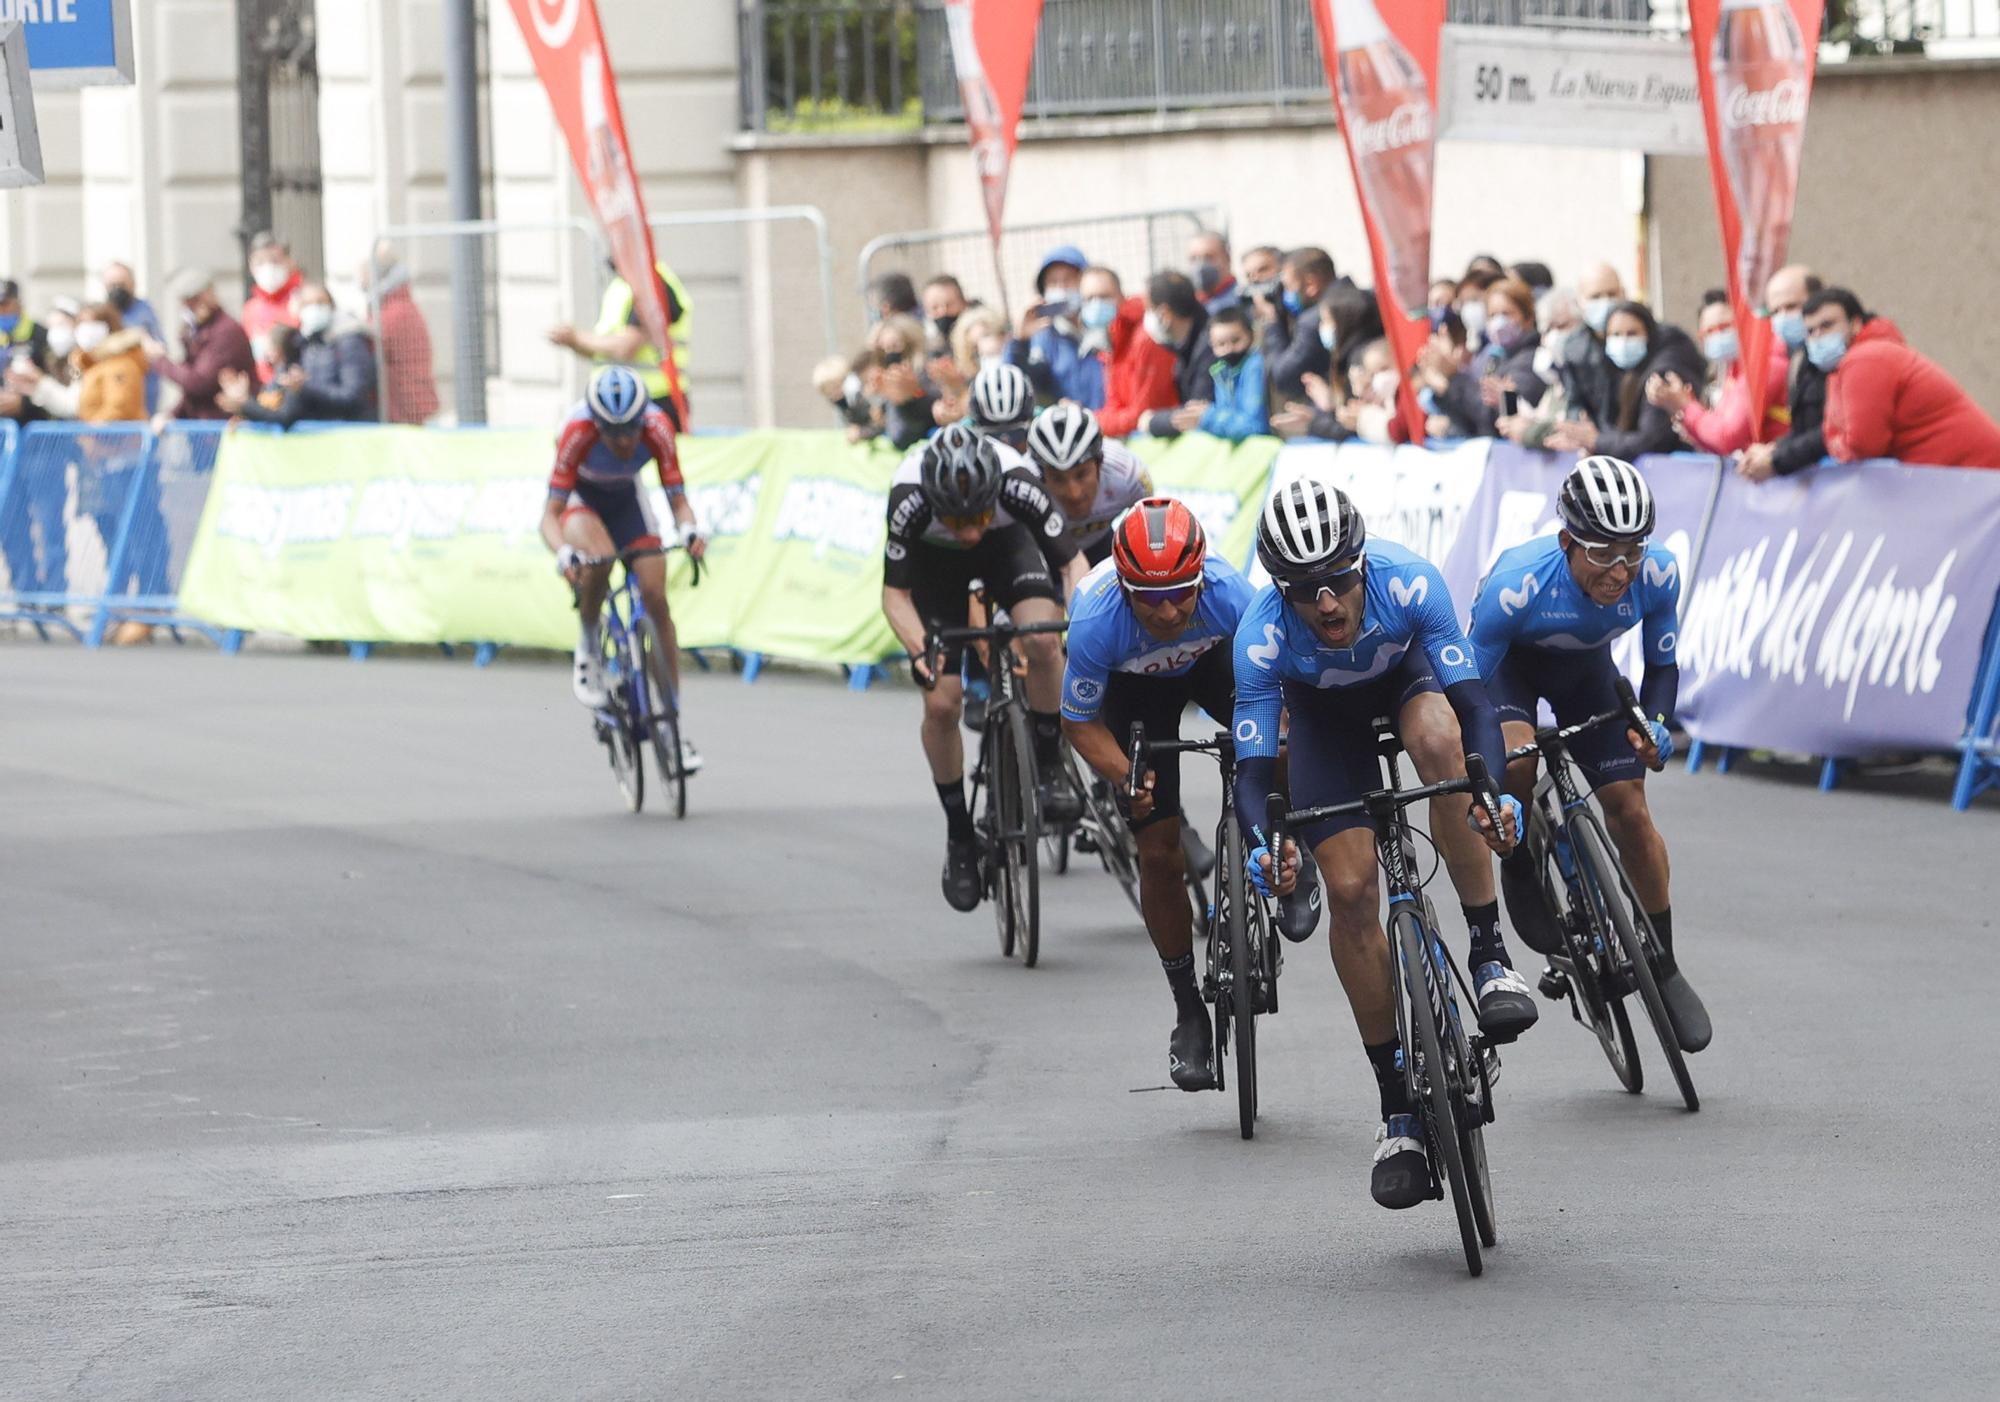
(1531, 599)
(1405, 603)
(1105, 635)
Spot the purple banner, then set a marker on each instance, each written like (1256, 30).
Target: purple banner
(1517, 502)
(1842, 611)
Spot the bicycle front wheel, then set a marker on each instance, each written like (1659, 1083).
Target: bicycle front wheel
(1019, 833)
(1621, 907)
(1430, 1075)
(1584, 935)
(1235, 894)
(663, 712)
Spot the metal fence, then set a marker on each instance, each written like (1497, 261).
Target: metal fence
(821, 65)
(96, 521)
(1135, 244)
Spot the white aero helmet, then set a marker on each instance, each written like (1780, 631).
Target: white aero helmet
(1002, 399)
(1064, 437)
(1605, 499)
(1309, 529)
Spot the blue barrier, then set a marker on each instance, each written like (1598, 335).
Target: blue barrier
(96, 521)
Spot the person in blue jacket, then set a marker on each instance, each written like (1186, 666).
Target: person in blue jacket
(1047, 343)
(1238, 409)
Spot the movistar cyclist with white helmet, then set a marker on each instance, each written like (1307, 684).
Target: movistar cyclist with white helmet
(963, 507)
(1348, 630)
(596, 509)
(1092, 479)
(1543, 624)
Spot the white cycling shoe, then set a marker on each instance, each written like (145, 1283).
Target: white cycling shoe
(1401, 1176)
(587, 680)
(690, 757)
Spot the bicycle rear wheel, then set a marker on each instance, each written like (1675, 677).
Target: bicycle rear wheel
(665, 715)
(1017, 866)
(1116, 847)
(1430, 1077)
(1233, 892)
(1621, 906)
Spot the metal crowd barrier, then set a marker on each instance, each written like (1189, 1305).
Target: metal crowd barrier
(96, 521)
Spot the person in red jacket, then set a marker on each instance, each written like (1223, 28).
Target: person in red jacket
(1884, 400)
(1138, 371)
(1725, 428)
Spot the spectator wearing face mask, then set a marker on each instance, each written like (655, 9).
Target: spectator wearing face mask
(1236, 408)
(1477, 396)
(24, 341)
(1443, 292)
(838, 381)
(334, 380)
(1349, 319)
(111, 359)
(1622, 423)
(1045, 344)
(1261, 281)
(50, 385)
(1139, 373)
(896, 383)
(1175, 319)
(1560, 317)
(1722, 424)
(1307, 274)
(409, 389)
(274, 286)
(1471, 305)
(212, 343)
(1536, 275)
(121, 290)
(1208, 270)
(944, 303)
(1804, 442)
(979, 339)
(1883, 399)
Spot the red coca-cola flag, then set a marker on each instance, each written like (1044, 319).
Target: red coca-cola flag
(1753, 60)
(993, 46)
(1383, 68)
(567, 43)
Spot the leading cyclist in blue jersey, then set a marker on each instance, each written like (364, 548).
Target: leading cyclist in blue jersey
(1350, 630)
(1149, 634)
(597, 509)
(1543, 624)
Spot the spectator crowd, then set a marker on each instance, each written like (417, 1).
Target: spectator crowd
(1277, 341)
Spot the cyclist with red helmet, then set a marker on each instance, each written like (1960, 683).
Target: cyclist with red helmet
(1149, 630)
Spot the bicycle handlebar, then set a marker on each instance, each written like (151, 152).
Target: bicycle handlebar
(646, 552)
(1001, 633)
(1628, 711)
(1137, 775)
(1381, 802)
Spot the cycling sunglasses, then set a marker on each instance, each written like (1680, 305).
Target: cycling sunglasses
(966, 523)
(1164, 593)
(1606, 557)
(1337, 583)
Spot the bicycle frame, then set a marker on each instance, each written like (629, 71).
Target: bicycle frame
(623, 614)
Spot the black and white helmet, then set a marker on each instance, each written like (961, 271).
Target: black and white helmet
(960, 472)
(1605, 499)
(1002, 399)
(1065, 437)
(1309, 529)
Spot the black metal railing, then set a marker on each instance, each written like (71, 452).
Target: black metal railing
(855, 64)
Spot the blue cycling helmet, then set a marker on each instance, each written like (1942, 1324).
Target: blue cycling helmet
(617, 398)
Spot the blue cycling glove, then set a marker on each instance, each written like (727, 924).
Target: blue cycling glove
(1260, 876)
(1508, 805)
(1662, 739)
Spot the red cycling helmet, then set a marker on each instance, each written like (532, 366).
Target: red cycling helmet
(1158, 544)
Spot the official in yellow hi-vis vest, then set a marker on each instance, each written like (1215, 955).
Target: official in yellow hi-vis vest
(619, 337)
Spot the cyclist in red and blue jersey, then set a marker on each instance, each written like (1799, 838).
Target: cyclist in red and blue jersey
(1542, 625)
(1350, 630)
(597, 509)
(1149, 633)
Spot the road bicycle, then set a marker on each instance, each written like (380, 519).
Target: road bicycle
(1241, 980)
(640, 708)
(1006, 805)
(1609, 947)
(1450, 1072)
(1101, 831)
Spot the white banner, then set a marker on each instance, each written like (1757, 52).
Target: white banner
(1556, 87)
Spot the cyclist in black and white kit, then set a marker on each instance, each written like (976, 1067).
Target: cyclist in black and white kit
(963, 507)
(1094, 480)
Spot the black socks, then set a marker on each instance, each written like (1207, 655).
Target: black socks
(1663, 926)
(1487, 946)
(1180, 978)
(957, 818)
(1047, 726)
(1387, 1061)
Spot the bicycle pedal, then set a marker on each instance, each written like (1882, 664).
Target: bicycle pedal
(1554, 984)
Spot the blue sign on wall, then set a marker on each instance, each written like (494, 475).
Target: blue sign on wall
(75, 43)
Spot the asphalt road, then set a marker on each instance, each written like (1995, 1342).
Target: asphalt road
(354, 1043)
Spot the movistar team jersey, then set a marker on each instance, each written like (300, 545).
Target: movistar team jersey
(1405, 605)
(1530, 599)
(1122, 482)
(1105, 636)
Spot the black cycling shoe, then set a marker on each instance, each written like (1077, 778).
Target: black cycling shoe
(961, 875)
(1298, 913)
(1199, 859)
(1527, 910)
(1190, 1050)
(1061, 804)
(1402, 1173)
(1685, 1011)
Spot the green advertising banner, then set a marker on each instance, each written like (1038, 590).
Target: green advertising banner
(420, 536)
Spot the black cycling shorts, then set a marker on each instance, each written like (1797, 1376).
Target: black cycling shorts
(1334, 758)
(1007, 558)
(624, 510)
(1578, 685)
(1157, 702)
